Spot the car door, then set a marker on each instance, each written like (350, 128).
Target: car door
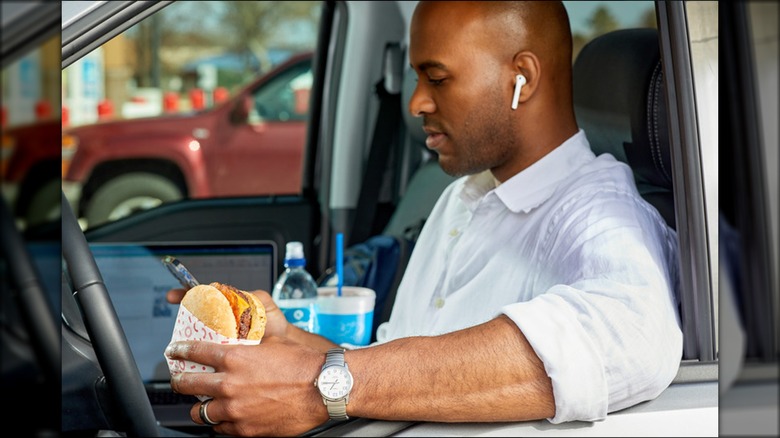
(259, 141)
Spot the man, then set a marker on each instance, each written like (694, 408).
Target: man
(541, 286)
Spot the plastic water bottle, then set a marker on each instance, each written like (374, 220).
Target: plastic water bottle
(295, 292)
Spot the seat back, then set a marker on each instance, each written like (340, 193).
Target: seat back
(427, 182)
(619, 101)
(380, 261)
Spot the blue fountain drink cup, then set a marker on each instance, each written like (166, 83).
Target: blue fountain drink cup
(346, 319)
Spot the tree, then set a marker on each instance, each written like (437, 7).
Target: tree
(578, 42)
(178, 25)
(187, 31)
(254, 24)
(648, 19)
(602, 22)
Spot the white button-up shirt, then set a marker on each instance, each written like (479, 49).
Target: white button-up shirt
(574, 256)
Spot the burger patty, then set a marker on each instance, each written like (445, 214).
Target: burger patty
(242, 307)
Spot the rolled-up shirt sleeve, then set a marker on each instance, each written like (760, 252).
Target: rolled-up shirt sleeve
(609, 336)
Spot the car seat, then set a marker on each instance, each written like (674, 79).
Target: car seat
(428, 180)
(422, 191)
(619, 101)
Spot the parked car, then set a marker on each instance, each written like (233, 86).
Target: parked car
(251, 144)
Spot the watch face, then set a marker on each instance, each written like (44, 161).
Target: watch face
(335, 382)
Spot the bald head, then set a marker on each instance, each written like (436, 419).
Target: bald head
(541, 27)
(469, 54)
(509, 27)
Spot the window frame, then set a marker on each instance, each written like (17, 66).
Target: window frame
(696, 281)
(82, 37)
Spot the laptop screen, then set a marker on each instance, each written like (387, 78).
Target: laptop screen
(137, 283)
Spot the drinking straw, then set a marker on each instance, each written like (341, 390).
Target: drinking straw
(339, 261)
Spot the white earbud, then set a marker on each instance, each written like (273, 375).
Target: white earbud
(519, 82)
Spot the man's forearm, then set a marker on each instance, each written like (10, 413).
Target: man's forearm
(484, 373)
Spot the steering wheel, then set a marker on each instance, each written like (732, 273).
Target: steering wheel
(105, 332)
(31, 353)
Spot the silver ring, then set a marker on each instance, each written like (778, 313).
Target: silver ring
(204, 416)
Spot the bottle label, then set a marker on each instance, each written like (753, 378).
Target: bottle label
(300, 316)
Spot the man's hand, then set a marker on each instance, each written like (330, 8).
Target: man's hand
(276, 325)
(261, 390)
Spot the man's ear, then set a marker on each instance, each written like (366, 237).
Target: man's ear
(526, 64)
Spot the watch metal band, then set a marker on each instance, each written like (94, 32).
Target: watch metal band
(337, 410)
(334, 356)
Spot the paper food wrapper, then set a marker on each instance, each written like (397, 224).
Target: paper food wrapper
(189, 328)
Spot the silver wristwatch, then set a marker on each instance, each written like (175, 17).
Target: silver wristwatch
(335, 383)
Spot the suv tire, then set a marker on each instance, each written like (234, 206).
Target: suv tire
(128, 193)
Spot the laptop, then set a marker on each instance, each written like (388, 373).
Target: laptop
(137, 283)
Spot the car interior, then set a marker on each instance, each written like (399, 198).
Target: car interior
(623, 110)
(630, 124)
(619, 98)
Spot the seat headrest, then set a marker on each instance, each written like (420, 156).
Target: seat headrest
(619, 100)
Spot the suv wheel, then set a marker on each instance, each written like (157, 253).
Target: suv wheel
(128, 193)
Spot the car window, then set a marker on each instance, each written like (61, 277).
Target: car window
(160, 112)
(285, 98)
(591, 19)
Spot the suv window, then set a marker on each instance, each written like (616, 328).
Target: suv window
(181, 106)
(285, 98)
(591, 19)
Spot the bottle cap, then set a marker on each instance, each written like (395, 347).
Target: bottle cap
(294, 250)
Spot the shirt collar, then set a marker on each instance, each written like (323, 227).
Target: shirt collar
(534, 185)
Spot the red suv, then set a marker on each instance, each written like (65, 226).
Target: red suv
(125, 165)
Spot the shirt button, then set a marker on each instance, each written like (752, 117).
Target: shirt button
(454, 232)
(438, 302)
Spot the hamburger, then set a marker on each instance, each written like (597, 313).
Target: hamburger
(231, 312)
